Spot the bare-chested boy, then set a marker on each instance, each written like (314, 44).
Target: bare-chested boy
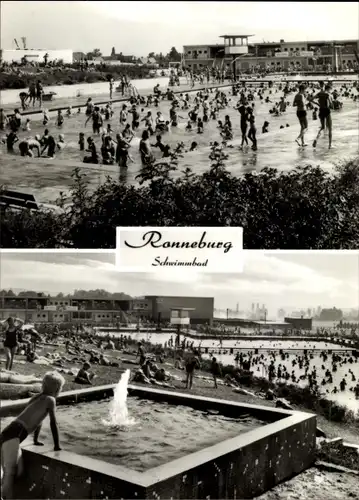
(29, 421)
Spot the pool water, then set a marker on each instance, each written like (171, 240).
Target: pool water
(161, 432)
(294, 348)
(45, 178)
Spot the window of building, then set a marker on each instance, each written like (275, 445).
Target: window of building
(200, 52)
(44, 315)
(189, 52)
(204, 52)
(303, 48)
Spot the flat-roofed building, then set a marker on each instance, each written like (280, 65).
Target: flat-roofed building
(281, 56)
(45, 309)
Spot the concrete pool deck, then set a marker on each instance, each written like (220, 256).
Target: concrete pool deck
(241, 467)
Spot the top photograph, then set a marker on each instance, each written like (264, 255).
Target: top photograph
(242, 114)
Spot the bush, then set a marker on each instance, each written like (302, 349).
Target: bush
(71, 73)
(305, 208)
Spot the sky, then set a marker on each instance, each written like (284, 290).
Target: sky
(288, 280)
(138, 28)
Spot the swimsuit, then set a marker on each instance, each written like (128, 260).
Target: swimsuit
(15, 430)
(10, 339)
(324, 113)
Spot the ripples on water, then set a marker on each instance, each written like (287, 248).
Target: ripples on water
(162, 432)
(276, 149)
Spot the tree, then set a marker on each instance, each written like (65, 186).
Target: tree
(27, 293)
(302, 208)
(7, 293)
(113, 52)
(173, 55)
(332, 314)
(151, 54)
(93, 54)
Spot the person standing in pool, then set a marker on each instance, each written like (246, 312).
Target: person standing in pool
(91, 148)
(135, 117)
(244, 125)
(252, 128)
(325, 104)
(97, 120)
(11, 139)
(49, 145)
(123, 115)
(122, 154)
(89, 107)
(27, 146)
(11, 340)
(299, 103)
(145, 148)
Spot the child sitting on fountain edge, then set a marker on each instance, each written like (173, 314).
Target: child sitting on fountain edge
(29, 421)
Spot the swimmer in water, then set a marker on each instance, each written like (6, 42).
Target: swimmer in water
(325, 104)
(299, 103)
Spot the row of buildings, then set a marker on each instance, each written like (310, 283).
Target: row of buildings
(336, 55)
(339, 55)
(40, 309)
(191, 310)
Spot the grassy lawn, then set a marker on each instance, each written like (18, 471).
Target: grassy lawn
(201, 387)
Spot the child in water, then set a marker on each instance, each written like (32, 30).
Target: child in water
(46, 118)
(265, 127)
(61, 142)
(60, 118)
(26, 127)
(82, 141)
(29, 421)
(199, 126)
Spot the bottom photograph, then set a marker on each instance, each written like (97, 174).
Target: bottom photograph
(177, 385)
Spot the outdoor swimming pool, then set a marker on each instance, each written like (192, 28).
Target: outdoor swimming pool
(45, 178)
(293, 348)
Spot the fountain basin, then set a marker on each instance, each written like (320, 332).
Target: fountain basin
(239, 467)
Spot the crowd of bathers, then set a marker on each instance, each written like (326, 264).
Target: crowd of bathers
(141, 117)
